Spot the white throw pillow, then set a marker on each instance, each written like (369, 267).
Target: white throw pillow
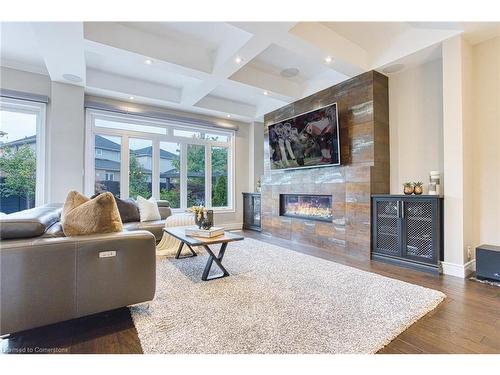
(148, 209)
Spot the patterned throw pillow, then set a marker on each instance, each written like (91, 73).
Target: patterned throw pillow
(82, 215)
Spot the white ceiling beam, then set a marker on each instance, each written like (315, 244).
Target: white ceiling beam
(132, 87)
(223, 70)
(227, 106)
(62, 47)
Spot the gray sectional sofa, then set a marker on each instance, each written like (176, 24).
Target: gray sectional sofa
(48, 278)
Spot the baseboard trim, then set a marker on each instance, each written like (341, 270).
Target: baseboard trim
(459, 270)
(232, 226)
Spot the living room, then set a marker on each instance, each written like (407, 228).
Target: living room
(251, 187)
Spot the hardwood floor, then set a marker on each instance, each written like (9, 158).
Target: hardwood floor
(468, 321)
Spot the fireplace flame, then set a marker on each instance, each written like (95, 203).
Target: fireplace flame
(307, 209)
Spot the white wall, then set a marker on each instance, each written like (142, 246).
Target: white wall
(458, 133)
(65, 141)
(416, 124)
(486, 123)
(256, 154)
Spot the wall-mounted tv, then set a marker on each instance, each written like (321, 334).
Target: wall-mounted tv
(308, 140)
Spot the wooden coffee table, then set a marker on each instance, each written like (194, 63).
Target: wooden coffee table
(189, 241)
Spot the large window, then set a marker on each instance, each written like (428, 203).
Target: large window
(21, 154)
(185, 165)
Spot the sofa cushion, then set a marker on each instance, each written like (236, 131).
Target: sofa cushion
(155, 227)
(148, 209)
(82, 215)
(29, 223)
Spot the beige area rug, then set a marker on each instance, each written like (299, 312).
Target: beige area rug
(276, 301)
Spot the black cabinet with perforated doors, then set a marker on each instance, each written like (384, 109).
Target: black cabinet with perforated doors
(408, 230)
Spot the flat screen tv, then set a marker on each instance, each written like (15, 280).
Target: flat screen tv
(306, 141)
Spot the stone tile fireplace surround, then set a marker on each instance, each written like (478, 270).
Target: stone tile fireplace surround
(363, 110)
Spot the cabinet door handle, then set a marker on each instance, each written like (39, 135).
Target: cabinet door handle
(397, 207)
(402, 209)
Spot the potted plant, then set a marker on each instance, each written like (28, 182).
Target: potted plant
(418, 188)
(199, 214)
(408, 188)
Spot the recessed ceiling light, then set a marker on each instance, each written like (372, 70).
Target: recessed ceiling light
(148, 61)
(238, 60)
(265, 93)
(328, 59)
(393, 68)
(290, 72)
(72, 78)
(131, 97)
(228, 116)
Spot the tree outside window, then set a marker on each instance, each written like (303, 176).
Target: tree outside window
(18, 171)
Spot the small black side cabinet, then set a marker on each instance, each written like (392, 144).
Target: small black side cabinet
(408, 230)
(251, 211)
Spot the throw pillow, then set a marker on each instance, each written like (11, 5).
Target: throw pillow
(129, 212)
(148, 209)
(82, 215)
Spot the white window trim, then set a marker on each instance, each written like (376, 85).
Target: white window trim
(39, 110)
(91, 130)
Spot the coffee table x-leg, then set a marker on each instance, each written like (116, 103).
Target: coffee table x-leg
(181, 245)
(218, 260)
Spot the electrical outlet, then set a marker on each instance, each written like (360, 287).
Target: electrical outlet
(469, 252)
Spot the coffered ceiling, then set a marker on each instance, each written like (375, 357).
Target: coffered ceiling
(240, 70)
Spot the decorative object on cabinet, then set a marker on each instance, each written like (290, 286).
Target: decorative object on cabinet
(251, 211)
(258, 185)
(434, 183)
(418, 188)
(408, 188)
(408, 231)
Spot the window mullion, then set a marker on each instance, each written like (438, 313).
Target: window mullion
(208, 176)
(124, 169)
(155, 173)
(183, 175)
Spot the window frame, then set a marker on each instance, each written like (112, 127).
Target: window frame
(91, 130)
(39, 110)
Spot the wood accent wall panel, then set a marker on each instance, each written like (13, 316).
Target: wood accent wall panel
(363, 110)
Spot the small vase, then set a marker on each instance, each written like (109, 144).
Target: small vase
(408, 190)
(197, 221)
(206, 224)
(418, 190)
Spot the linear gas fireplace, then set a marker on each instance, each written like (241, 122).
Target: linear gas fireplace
(312, 207)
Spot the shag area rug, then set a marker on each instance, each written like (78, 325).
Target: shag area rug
(275, 301)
